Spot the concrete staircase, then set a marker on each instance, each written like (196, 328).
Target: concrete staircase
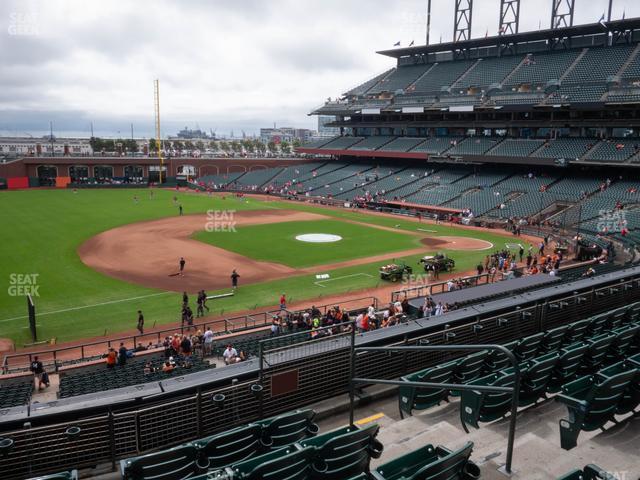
(537, 453)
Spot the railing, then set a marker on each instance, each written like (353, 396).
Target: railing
(440, 287)
(60, 356)
(515, 390)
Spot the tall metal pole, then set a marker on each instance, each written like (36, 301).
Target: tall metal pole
(610, 7)
(156, 93)
(428, 20)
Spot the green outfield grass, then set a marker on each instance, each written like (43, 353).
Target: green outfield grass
(42, 229)
(277, 242)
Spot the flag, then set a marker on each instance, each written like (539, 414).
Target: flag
(411, 44)
(624, 12)
(397, 44)
(486, 34)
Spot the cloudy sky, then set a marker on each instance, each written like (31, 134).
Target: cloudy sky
(222, 64)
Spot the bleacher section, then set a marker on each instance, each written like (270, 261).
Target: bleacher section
(97, 377)
(565, 359)
(15, 389)
(540, 68)
(473, 146)
(516, 148)
(570, 148)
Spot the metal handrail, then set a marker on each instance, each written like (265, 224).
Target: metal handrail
(254, 320)
(515, 390)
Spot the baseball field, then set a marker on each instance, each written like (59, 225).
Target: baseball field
(92, 258)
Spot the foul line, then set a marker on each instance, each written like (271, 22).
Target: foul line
(53, 312)
(340, 278)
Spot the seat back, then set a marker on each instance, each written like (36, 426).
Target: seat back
(497, 360)
(344, 453)
(577, 331)
(538, 375)
(230, 447)
(526, 348)
(597, 324)
(173, 464)
(624, 338)
(287, 463)
(427, 463)
(72, 475)
(415, 398)
(470, 367)
(596, 351)
(285, 429)
(552, 339)
(567, 366)
(590, 472)
(631, 396)
(603, 399)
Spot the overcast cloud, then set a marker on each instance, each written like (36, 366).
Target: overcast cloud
(222, 64)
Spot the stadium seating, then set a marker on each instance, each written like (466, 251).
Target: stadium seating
(591, 403)
(372, 143)
(98, 378)
(341, 143)
(72, 475)
(590, 472)
(474, 146)
(364, 87)
(430, 462)
(516, 148)
(443, 74)
(540, 68)
(489, 71)
(228, 448)
(571, 148)
(399, 79)
(15, 389)
(597, 64)
(402, 144)
(614, 150)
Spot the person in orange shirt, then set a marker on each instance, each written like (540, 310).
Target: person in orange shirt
(111, 358)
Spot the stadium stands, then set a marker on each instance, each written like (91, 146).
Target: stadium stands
(15, 389)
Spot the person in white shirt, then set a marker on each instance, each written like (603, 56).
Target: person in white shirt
(208, 340)
(230, 354)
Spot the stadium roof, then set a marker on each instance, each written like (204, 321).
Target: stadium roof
(525, 37)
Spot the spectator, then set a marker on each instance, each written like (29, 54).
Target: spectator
(208, 341)
(230, 354)
(122, 355)
(111, 358)
(168, 367)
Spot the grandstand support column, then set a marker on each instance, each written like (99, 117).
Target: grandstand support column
(562, 13)
(509, 17)
(352, 374)
(462, 20)
(428, 21)
(112, 440)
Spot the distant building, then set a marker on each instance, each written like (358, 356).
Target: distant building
(323, 129)
(29, 146)
(285, 134)
(197, 134)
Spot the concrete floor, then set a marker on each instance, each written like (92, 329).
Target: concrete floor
(537, 453)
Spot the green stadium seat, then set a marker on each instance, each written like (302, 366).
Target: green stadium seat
(567, 366)
(526, 348)
(625, 337)
(227, 448)
(577, 331)
(412, 398)
(288, 428)
(288, 463)
(476, 407)
(470, 367)
(553, 339)
(591, 402)
(595, 355)
(72, 475)
(497, 360)
(590, 472)
(430, 463)
(173, 464)
(343, 453)
(536, 377)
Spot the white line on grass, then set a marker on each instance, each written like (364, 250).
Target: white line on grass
(340, 278)
(86, 306)
(425, 230)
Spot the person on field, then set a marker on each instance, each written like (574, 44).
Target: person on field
(180, 209)
(182, 263)
(140, 326)
(234, 279)
(200, 301)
